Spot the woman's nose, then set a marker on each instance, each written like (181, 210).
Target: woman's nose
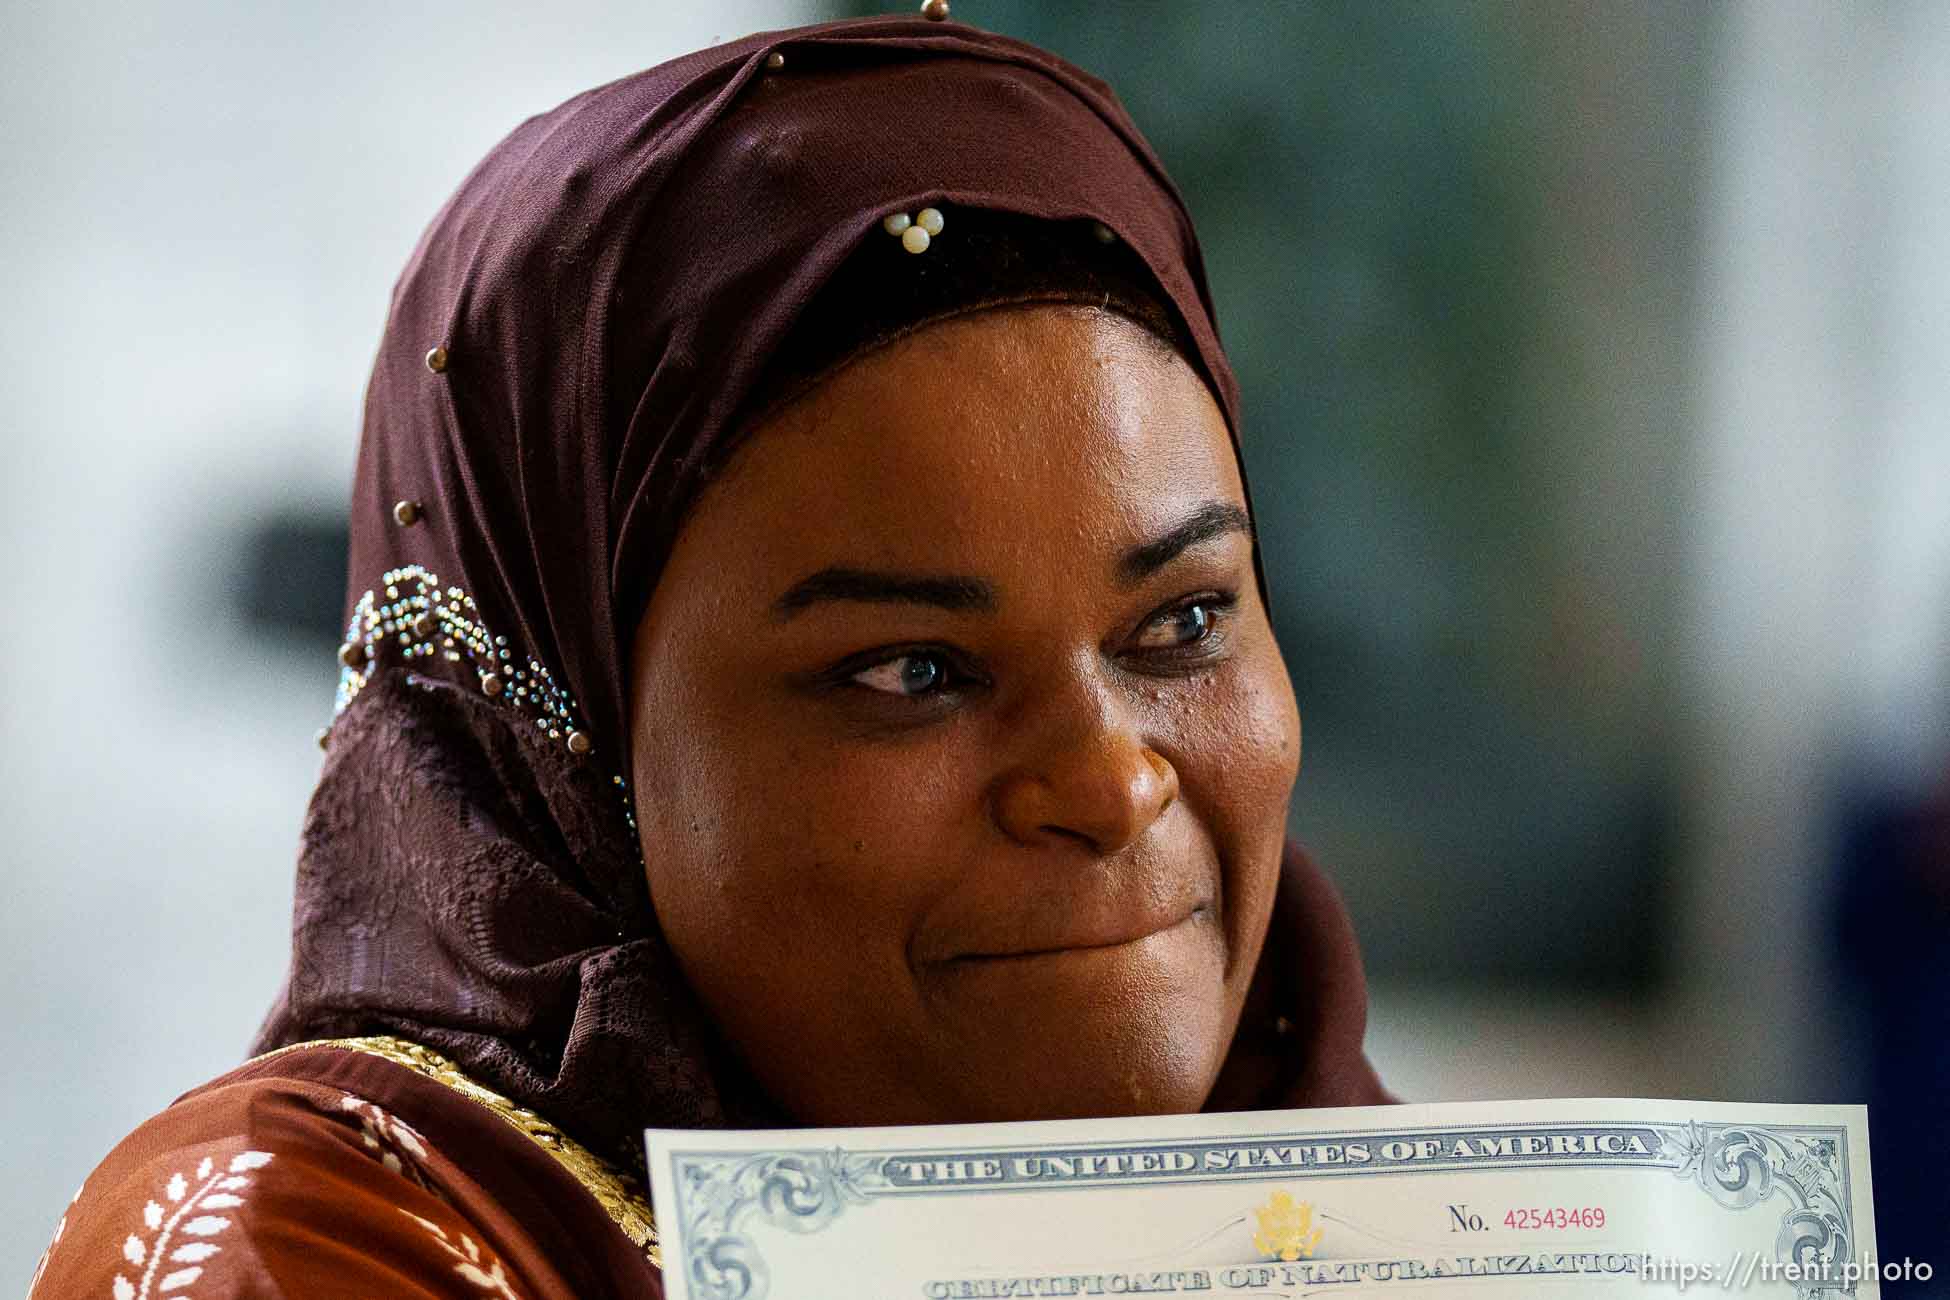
(1105, 789)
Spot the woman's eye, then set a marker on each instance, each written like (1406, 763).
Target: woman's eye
(910, 674)
(1186, 625)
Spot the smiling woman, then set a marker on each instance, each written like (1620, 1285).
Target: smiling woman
(1024, 708)
(796, 673)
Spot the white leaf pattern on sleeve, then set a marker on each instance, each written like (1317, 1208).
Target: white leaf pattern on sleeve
(213, 1189)
(404, 1151)
(477, 1267)
(397, 1145)
(40, 1270)
(190, 1237)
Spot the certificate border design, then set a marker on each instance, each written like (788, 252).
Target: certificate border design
(1740, 1166)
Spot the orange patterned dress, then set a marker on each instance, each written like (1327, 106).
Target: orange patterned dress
(351, 1168)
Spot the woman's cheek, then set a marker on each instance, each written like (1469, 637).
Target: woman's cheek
(1243, 745)
(877, 825)
(1271, 729)
(1267, 715)
(1239, 736)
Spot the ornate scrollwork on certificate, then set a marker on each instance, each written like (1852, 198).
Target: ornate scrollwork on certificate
(800, 1191)
(1740, 1166)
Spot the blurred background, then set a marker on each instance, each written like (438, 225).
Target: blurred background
(1597, 374)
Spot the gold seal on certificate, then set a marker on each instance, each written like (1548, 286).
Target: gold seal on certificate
(1530, 1198)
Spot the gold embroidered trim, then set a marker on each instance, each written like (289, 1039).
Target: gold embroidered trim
(621, 1195)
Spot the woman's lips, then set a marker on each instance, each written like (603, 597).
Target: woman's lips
(1078, 942)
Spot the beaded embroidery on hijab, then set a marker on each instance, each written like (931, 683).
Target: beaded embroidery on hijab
(574, 346)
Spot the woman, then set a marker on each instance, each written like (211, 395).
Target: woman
(807, 664)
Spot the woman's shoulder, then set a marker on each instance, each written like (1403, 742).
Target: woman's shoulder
(324, 1170)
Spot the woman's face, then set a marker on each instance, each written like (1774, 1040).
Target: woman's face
(961, 743)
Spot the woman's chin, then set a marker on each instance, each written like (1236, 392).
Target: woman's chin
(1148, 1046)
(1086, 1085)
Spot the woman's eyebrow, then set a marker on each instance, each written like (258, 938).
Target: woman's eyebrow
(1213, 519)
(955, 594)
(960, 595)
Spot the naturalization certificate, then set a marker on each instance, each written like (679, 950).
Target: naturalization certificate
(1481, 1199)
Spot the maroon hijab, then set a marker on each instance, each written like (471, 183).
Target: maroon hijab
(566, 358)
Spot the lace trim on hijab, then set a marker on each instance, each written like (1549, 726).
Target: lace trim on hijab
(420, 618)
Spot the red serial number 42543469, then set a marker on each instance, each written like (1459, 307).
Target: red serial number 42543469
(1583, 1216)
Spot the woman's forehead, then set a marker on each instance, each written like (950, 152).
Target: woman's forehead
(983, 438)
